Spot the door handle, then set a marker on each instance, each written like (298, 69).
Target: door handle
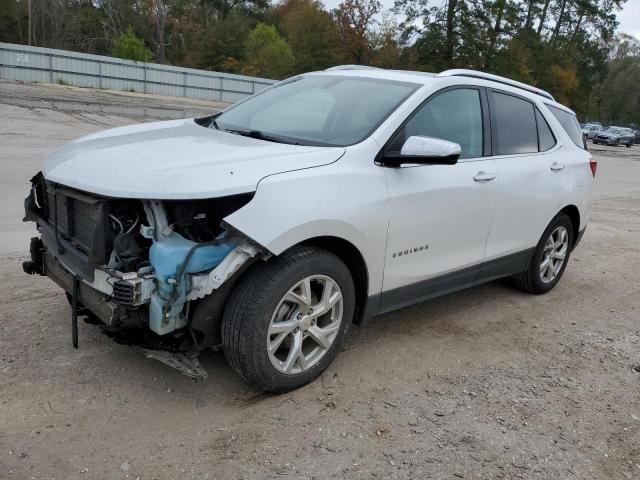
(484, 177)
(556, 167)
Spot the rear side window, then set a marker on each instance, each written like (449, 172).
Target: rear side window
(570, 124)
(546, 140)
(515, 130)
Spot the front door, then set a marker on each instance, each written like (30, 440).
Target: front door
(439, 215)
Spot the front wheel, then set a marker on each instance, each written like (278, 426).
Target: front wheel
(283, 324)
(550, 257)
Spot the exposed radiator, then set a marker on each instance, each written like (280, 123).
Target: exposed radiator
(73, 224)
(97, 302)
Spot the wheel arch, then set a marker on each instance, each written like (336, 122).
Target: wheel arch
(353, 259)
(573, 213)
(206, 322)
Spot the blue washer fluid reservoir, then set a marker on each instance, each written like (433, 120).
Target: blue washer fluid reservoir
(166, 257)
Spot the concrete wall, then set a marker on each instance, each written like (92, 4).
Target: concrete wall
(46, 65)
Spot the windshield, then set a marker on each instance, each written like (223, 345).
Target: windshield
(317, 110)
(612, 130)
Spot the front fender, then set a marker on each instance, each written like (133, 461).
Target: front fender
(347, 199)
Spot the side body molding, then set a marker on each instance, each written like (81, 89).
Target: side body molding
(346, 199)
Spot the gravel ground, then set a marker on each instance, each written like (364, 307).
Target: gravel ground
(105, 102)
(487, 383)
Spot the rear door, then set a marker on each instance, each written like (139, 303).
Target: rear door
(533, 176)
(440, 215)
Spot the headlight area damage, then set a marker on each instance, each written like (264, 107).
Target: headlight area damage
(155, 273)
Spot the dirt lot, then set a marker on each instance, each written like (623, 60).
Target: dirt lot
(488, 383)
(106, 102)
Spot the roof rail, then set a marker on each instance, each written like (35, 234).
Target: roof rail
(351, 67)
(460, 72)
(413, 72)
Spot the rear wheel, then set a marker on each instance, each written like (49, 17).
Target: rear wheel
(284, 322)
(550, 257)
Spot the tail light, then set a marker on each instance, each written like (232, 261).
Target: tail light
(594, 166)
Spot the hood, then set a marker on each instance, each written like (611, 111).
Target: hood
(178, 159)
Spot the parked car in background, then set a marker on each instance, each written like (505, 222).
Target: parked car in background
(615, 136)
(636, 138)
(590, 130)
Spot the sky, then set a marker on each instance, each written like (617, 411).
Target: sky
(629, 16)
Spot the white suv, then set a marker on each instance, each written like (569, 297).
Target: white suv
(326, 199)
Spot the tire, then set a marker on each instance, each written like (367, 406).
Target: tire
(533, 279)
(629, 144)
(262, 302)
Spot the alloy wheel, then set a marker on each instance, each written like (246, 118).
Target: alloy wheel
(555, 252)
(305, 324)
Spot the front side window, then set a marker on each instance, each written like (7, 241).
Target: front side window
(515, 130)
(317, 109)
(454, 115)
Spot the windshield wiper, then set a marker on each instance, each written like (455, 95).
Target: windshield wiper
(260, 136)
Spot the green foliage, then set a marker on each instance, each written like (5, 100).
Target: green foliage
(557, 45)
(267, 54)
(312, 35)
(569, 47)
(130, 47)
(618, 95)
(221, 45)
(385, 50)
(356, 20)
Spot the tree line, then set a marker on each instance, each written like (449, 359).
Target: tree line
(569, 47)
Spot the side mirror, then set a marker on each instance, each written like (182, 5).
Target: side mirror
(425, 151)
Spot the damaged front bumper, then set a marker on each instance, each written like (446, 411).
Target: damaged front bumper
(114, 296)
(130, 263)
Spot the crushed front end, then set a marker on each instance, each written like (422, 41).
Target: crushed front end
(163, 268)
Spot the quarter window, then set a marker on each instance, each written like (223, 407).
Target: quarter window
(546, 140)
(454, 115)
(570, 125)
(515, 129)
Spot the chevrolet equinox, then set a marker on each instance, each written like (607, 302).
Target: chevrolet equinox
(326, 199)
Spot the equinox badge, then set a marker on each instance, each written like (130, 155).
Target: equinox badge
(411, 250)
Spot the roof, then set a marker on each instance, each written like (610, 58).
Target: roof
(426, 77)
(496, 78)
(382, 73)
